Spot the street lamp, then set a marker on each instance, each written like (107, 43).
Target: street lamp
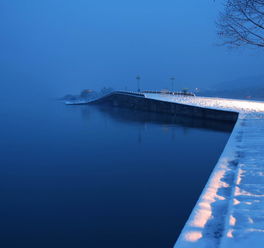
(172, 83)
(138, 82)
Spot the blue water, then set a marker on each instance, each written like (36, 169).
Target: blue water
(88, 176)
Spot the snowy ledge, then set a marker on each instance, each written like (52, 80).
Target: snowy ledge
(230, 210)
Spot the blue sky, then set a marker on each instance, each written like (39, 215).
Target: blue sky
(63, 46)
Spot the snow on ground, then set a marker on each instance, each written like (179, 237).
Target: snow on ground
(245, 227)
(241, 106)
(230, 210)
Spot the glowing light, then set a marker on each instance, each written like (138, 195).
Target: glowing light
(232, 220)
(204, 212)
(193, 236)
(239, 176)
(230, 233)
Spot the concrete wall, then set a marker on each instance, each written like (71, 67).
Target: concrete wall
(138, 102)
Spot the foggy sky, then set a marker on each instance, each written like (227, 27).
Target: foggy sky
(63, 46)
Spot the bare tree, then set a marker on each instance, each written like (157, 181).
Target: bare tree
(242, 23)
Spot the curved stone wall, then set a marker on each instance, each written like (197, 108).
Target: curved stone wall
(139, 102)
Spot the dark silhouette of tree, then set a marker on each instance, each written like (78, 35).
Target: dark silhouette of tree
(242, 23)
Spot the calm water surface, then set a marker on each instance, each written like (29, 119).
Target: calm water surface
(93, 177)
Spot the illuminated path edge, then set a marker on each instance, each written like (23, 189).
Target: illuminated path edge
(230, 209)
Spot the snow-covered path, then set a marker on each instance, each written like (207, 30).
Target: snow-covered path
(245, 226)
(241, 106)
(230, 210)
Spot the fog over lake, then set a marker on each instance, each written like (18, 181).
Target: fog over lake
(63, 46)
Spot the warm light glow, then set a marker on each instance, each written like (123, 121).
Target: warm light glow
(236, 202)
(239, 176)
(193, 236)
(201, 218)
(204, 212)
(232, 220)
(230, 233)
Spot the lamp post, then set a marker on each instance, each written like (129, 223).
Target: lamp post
(172, 83)
(138, 82)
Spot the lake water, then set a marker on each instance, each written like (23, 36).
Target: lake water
(96, 177)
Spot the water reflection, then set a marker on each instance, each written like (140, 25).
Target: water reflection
(87, 176)
(163, 120)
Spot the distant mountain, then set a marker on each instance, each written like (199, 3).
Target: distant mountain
(243, 88)
(245, 82)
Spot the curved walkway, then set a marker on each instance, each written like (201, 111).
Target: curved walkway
(230, 210)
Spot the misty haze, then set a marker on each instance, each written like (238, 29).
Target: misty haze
(132, 124)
